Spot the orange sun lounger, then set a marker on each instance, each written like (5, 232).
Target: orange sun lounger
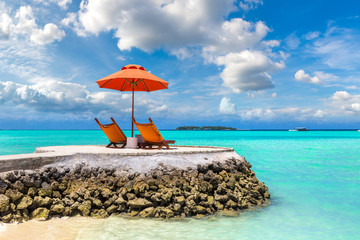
(151, 135)
(113, 133)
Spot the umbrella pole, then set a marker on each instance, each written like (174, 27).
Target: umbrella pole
(132, 122)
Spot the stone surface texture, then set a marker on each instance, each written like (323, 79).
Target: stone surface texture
(177, 183)
(124, 160)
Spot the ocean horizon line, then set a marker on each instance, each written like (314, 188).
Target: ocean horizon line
(164, 129)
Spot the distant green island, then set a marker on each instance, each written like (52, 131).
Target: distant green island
(205, 128)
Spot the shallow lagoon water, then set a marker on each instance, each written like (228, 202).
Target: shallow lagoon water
(313, 177)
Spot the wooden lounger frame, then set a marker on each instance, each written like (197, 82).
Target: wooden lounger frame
(105, 127)
(149, 144)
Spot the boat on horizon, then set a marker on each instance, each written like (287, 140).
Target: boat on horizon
(299, 129)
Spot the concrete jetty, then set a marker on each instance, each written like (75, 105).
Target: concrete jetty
(123, 159)
(184, 181)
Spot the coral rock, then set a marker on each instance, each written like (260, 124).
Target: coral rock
(147, 212)
(40, 213)
(139, 203)
(85, 208)
(14, 195)
(25, 202)
(4, 203)
(99, 213)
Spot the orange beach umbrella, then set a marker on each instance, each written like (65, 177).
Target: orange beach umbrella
(133, 78)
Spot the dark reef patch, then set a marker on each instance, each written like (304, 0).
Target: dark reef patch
(162, 193)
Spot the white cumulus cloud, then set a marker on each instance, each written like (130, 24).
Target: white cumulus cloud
(155, 109)
(226, 106)
(355, 107)
(325, 76)
(341, 95)
(24, 24)
(304, 77)
(153, 24)
(187, 28)
(248, 70)
(344, 102)
(47, 35)
(6, 24)
(52, 95)
(320, 114)
(25, 20)
(318, 78)
(46, 95)
(234, 36)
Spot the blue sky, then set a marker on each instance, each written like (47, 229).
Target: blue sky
(248, 64)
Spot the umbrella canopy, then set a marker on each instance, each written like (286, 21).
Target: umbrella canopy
(133, 78)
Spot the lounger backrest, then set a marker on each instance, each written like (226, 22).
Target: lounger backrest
(149, 131)
(112, 131)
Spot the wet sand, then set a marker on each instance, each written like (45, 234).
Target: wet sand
(57, 228)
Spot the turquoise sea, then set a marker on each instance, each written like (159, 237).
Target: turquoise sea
(313, 178)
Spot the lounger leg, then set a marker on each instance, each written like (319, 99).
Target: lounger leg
(142, 145)
(115, 145)
(160, 146)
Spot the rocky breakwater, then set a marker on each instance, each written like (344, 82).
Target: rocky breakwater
(165, 192)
